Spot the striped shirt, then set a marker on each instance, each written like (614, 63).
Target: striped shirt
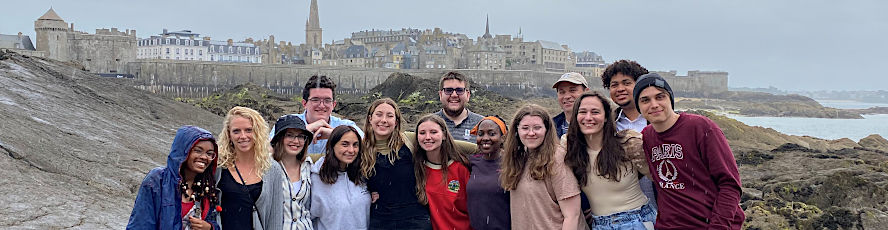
(297, 199)
(462, 130)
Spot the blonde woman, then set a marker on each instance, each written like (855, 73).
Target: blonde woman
(387, 163)
(544, 194)
(250, 183)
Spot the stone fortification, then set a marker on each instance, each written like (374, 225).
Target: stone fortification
(199, 79)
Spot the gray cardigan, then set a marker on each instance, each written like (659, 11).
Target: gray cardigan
(270, 202)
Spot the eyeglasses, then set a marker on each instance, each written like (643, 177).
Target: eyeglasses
(458, 91)
(210, 153)
(300, 137)
(326, 101)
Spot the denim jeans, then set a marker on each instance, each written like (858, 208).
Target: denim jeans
(415, 223)
(637, 219)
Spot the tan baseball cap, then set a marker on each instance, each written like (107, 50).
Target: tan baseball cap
(572, 77)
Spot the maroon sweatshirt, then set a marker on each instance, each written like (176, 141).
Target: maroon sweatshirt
(695, 174)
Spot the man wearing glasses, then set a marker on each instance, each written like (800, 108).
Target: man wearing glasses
(454, 94)
(319, 99)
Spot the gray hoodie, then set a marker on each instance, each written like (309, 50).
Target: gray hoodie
(341, 205)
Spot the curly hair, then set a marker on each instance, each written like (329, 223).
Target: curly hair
(625, 67)
(227, 153)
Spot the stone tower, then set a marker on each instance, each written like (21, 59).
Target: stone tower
(313, 32)
(52, 35)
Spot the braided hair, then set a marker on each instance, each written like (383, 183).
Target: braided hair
(204, 186)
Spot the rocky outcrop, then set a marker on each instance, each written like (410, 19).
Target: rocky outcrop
(766, 105)
(75, 147)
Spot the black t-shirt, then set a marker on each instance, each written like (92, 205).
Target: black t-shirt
(237, 204)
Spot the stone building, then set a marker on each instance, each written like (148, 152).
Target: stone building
(313, 32)
(177, 45)
(373, 37)
(189, 46)
(487, 53)
(106, 51)
(20, 44)
(589, 59)
(555, 57)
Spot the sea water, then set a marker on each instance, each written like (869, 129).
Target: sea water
(826, 128)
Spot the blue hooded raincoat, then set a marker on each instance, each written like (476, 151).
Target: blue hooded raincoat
(159, 202)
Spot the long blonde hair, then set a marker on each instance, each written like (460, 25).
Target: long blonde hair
(516, 156)
(396, 139)
(227, 155)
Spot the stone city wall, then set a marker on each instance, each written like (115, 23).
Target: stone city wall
(200, 79)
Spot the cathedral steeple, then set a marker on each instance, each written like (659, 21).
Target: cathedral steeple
(487, 28)
(313, 31)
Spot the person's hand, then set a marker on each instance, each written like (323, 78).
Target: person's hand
(198, 224)
(323, 133)
(314, 126)
(373, 197)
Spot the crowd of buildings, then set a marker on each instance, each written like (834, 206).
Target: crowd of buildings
(107, 51)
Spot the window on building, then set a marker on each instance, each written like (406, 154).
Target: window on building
(199, 52)
(167, 50)
(177, 52)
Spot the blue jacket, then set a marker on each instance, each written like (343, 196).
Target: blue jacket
(159, 202)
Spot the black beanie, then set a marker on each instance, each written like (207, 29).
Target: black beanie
(651, 79)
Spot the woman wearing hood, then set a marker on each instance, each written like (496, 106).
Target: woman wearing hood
(181, 195)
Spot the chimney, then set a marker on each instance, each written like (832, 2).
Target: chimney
(206, 38)
(72, 26)
(164, 31)
(230, 42)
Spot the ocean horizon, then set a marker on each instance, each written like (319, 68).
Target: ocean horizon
(826, 128)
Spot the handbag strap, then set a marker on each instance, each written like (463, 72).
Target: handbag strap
(244, 187)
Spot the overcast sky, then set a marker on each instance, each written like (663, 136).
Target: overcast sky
(788, 44)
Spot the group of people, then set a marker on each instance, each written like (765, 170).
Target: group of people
(640, 165)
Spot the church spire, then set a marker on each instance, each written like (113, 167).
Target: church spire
(487, 28)
(313, 21)
(313, 32)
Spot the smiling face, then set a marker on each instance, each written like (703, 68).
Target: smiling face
(620, 89)
(240, 132)
(591, 116)
(490, 139)
(567, 94)
(200, 157)
(383, 121)
(293, 142)
(454, 103)
(346, 149)
(531, 131)
(655, 105)
(430, 136)
(319, 105)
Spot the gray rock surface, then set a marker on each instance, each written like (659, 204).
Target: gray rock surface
(74, 147)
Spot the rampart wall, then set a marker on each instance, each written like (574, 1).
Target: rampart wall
(199, 79)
